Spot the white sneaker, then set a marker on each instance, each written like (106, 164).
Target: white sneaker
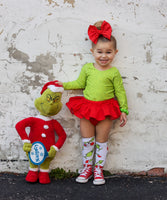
(98, 175)
(85, 174)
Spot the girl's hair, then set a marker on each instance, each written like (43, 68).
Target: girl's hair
(102, 38)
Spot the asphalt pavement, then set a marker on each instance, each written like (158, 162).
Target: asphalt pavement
(14, 187)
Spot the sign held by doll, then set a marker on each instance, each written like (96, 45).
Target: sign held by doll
(38, 153)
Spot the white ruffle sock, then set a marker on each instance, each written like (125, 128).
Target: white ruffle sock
(88, 150)
(101, 153)
(100, 158)
(88, 145)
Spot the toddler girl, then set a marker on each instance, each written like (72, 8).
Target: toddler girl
(104, 101)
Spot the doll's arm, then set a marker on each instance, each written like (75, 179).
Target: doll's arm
(21, 126)
(27, 147)
(52, 152)
(61, 134)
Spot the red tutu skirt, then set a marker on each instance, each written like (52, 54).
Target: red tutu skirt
(95, 111)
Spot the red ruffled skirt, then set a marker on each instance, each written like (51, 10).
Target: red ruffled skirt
(95, 111)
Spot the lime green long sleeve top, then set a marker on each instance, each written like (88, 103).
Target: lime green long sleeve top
(100, 85)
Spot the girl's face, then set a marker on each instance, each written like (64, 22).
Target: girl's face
(104, 54)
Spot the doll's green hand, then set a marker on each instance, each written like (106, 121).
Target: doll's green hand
(52, 152)
(27, 147)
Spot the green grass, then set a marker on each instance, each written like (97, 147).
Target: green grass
(60, 174)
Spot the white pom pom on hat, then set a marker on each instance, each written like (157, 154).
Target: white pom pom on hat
(53, 86)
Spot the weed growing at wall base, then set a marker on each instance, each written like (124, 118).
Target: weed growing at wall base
(60, 174)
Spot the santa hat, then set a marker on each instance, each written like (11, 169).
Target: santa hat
(53, 86)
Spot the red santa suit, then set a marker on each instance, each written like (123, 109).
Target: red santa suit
(42, 129)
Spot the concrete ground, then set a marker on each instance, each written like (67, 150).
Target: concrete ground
(14, 187)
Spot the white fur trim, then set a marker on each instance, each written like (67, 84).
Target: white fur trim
(55, 148)
(53, 88)
(33, 169)
(44, 170)
(26, 141)
(44, 117)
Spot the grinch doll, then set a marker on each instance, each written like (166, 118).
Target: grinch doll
(42, 131)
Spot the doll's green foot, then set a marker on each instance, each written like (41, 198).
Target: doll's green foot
(32, 176)
(44, 178)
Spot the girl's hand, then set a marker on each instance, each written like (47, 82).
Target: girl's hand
(123, 119)
(59, 83)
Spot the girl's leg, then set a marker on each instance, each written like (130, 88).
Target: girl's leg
(87, 128)
(88, 143)
(102, 131)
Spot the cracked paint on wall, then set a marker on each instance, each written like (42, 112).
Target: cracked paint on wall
(42, 64)
(56, 3)
(148, 48)
(72, 2)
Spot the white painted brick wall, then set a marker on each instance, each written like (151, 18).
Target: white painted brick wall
(44, 40)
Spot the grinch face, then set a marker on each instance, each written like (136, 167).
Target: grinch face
(49, 103)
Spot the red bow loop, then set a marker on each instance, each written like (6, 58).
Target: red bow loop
(94, 33)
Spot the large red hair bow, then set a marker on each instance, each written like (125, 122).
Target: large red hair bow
(105, 31)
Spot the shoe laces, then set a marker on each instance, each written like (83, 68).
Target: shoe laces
(98, 171)
(86, 170)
